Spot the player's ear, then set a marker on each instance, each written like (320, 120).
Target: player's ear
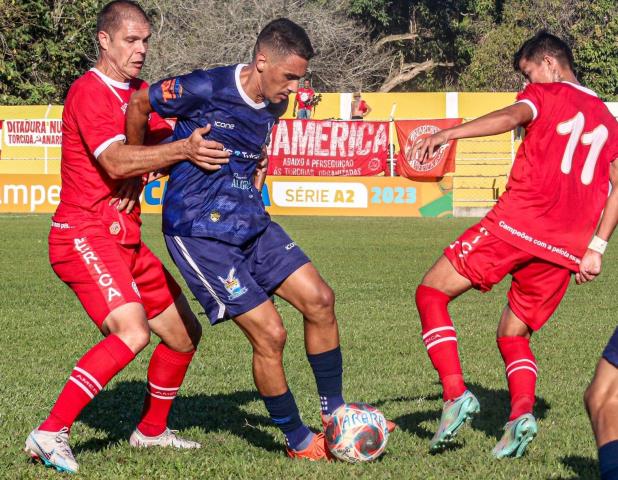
(260, 61)
(104, 39)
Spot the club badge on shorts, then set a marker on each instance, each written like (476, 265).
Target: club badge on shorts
(114, 228)
(215, 216)
(232, 285)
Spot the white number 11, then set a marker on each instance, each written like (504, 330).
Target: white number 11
(596, 138)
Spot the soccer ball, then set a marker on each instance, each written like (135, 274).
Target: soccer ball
(356, 432)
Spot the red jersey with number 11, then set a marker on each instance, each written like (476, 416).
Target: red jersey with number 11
(559, 182)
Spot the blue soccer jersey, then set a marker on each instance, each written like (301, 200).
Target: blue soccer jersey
(223, 204)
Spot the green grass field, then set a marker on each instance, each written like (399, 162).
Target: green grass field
(373, 265)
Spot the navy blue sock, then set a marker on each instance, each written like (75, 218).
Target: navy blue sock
(284, 413)
(328, 370)
(608, 461)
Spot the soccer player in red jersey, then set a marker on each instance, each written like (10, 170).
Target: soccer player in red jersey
(96, 249)
(538, 232)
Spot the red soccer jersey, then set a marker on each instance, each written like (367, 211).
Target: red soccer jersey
(304, 97)
(93, 118)
(560, 178)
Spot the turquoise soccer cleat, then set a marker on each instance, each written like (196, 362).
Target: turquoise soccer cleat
(454, 414)
(518, 433)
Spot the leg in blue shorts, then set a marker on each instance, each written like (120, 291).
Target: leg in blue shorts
(601, 401)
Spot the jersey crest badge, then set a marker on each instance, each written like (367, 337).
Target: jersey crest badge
(215, 216)
(232, 285)
(114, 228)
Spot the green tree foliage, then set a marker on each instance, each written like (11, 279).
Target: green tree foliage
(591, 28)
(44, 46)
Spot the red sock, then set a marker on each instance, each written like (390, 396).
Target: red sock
(166, 372)
(440, 339)
(521, 373)
(92, 372)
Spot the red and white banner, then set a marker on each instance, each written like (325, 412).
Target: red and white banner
(44, 132)
(328, 148)
(443, 160)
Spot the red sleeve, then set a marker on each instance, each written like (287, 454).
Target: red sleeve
(98, 122)
(532, 95)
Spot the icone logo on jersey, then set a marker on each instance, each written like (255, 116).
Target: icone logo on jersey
(229, 126)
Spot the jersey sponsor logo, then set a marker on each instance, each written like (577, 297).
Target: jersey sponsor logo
(243, 154)
(232, 285)
(229, 126)
(241, 182)
(171, 89)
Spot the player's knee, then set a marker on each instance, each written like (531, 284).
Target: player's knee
(272, 344)
(322, 304)
(136, 338)
(426, 296)
(598, 399)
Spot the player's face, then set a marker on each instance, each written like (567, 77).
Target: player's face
(281, 76)
(125, 49)
(544, 71)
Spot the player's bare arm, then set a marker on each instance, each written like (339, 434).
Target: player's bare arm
(493, 123)
(206, 154)
(590, 266)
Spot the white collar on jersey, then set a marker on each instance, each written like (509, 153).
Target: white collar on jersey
(109, 81)
(579, 87)
(242, 93)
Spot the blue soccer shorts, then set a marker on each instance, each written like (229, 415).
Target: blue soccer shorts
(611, 350)
(230, 280)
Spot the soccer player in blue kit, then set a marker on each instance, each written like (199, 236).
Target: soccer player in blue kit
(231, 254)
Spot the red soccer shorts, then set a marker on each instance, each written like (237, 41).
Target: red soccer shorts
(537, 286)
(106, 275)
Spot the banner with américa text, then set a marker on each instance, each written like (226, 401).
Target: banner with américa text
(411, 131)
(328, 148)
(333, 196)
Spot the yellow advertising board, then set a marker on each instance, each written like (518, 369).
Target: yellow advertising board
(337, 196)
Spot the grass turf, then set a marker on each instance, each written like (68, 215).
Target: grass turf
(373, 265)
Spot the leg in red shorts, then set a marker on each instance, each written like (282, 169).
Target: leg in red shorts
(480, 260)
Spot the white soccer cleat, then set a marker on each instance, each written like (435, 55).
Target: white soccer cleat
(52, 448)
(167, 439)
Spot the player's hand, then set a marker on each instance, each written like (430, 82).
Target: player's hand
(589, 268)
(426, 147)
(127, 194)
(206, 154)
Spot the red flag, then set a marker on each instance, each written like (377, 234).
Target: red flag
(409, 132)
